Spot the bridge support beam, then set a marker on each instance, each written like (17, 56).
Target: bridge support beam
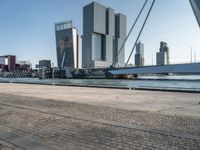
(193, 68)
(196, 8)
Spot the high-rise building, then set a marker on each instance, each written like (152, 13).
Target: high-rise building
(24, 65)
(196, 8)
(139, 56)
(8, 63)
(67, 43)
(162, 56)
(45, 64)
(103, 34)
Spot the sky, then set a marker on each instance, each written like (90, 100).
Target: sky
(27, 27)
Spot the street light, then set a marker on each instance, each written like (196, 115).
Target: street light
(191, 54)
(52, 70)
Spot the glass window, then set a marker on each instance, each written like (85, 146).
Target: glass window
(97, 46)
(65, 26)
(57, 28)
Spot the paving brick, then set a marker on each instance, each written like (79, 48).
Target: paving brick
(57, 126)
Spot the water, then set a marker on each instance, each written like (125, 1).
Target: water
(173, 77)
(189, 83)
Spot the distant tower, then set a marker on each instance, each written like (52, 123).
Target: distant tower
(162, 56)
(139, 56)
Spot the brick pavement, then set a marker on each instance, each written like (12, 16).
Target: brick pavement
(44, 128)
(147, 119)
(8, 146)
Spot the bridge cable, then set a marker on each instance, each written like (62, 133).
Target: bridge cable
(115, 59)
(140, 33)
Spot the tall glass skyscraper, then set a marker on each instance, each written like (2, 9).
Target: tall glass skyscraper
(162, 57)
(103, 34)
(139, 56)
(67, 44)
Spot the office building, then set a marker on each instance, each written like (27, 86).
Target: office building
(162, 57)
(103, 34)
(24, 65)
(139, 56)
(67, 44)
(45, 64)
(8, 63)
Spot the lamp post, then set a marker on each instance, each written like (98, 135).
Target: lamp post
(191, 54)
(52, 70)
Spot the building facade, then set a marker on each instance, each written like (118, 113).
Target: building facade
(162, 57)
(8, 63)
(139, 56)
(79, 52)
(24, 65)
(103, 34)
(67, 44)
(45, 64)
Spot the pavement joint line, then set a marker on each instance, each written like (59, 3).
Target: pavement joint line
(15, 143)
(112, 123)
(11, 143)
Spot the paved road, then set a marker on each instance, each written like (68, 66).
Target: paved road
(35, 123)
(167, 103)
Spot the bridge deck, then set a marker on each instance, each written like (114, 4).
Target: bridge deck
(192, 68)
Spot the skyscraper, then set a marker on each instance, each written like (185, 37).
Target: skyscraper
(67, 43)
(139, 56)
(162, 56)
(103, 34)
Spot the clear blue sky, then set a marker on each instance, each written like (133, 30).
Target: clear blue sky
(27, 27)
